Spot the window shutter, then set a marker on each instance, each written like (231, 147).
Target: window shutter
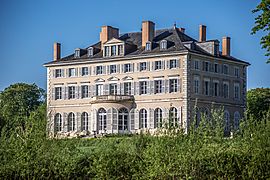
(132, 88)
(94, 122)
(95, 70)
(108, 69)
(106, 89)
(211, 88)
(178, 117)
(54, 74)
(137, 92)
(138, 67)
(122, 89)
(53, 93)
(80, 71)
(79, 92)
(163, 64)
(163, 86)
(103, 69)
(64, 122)
(153, 65)
(148, 65)
(131, 118)
(118, 68)
(148, 87)
(132, 67)
(90, 70)
(64, 89)
(76, 71)
(114, 119)
(62, 92)
(118, 88)
(137, 119)
(78, 123)
(168, 64)
(152, 87)
(151, 118)
(94, 90)
(179, 81)
(122, 68)
(166, 86)
(67, 72)
(89, 91)
(178, 64)
(89, 122)
(109, 119)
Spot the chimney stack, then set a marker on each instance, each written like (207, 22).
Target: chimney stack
(107, 33)
(148, 32)
(226, 46)
(182, 29)
(202, 33)
(56, 51)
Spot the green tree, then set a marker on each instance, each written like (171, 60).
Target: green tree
(262, 22)
(258, 102)
(17, 101)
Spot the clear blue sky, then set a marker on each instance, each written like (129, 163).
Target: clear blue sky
(28, 29)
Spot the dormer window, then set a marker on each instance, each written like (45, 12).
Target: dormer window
(148, 46)
(77, 53)
(113, 50)
(90, 52)
(163, 44)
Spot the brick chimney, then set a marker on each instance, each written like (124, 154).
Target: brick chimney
(56, 51)
(182, 29)
(202, 33)
(148, 32)
(107, 33)
(226, 46)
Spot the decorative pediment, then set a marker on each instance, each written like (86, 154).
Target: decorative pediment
(114, 41)
(113, 79)
(99, 80)
(127, 78)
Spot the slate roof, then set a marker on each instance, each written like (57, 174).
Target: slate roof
(176, 41)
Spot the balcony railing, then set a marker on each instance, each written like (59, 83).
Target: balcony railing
(112, 98)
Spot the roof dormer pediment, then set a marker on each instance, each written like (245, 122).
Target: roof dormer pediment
(113, 79)
(99, 80)
(114, 41)
(127, 78)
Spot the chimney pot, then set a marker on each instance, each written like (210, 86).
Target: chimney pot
(226, 46)
(148, 32)
(56, 51)
(202, 33)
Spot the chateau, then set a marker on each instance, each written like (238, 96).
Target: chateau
(133, 82)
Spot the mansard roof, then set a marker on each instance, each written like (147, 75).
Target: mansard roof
(177, 41)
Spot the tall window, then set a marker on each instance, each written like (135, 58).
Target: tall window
(206, 66)
(216, 68)
(85, 71)
(158, 86)
(71, 122)
(227, 121)
(158, 118)
(173, 63)
(236, 91)
(196, 65)
(143, 66)
(143, 118)
(163, 44)
(84, 121)
(120, 50)
(225, 69)
(58, 122)
(236, 71)
(173, 120)
(77, 53)
(90, 52)
(216, 88)
(85, 91)
(196, 85)
(113, 50)
(113, 89)
(58, 73)
(158, 65)
(226, 89)
(236, 120)
(107, 51)
(206, 87)
(123, 119)
(100, 70)
(102, 119)
(99, 89)
(112, 69)
(71, 72)
(127, 67)
(173, 85)
(148, 46)
(58, 93)
(143, 87)
(71, 92)
(127, 88)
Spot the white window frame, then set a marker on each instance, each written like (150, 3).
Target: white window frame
(143, 66)
(163, 45)
(58, 95)
(143, 87)
(173, 84)
(157, 65)
(85, 94)
(71, 72)
(148, 46)
(90, 52)
(127, 68)
(99, 71)
(85, 71)
(173, 63)
(57, 71)
(71, 92)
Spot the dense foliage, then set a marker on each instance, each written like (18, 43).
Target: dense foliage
(203, 153)
(262, 22)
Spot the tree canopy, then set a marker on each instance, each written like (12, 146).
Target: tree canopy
(262, 22)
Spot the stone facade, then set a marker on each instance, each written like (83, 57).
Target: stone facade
(128, 88)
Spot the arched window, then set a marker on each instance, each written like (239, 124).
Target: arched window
(227, 120)
(58, 122)
(84, 121)
(173, 117)
(123, 119)
(71, 122)
(236, 120)
(158, 118)
(163, 44)
(143, 118)
(102, 119)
